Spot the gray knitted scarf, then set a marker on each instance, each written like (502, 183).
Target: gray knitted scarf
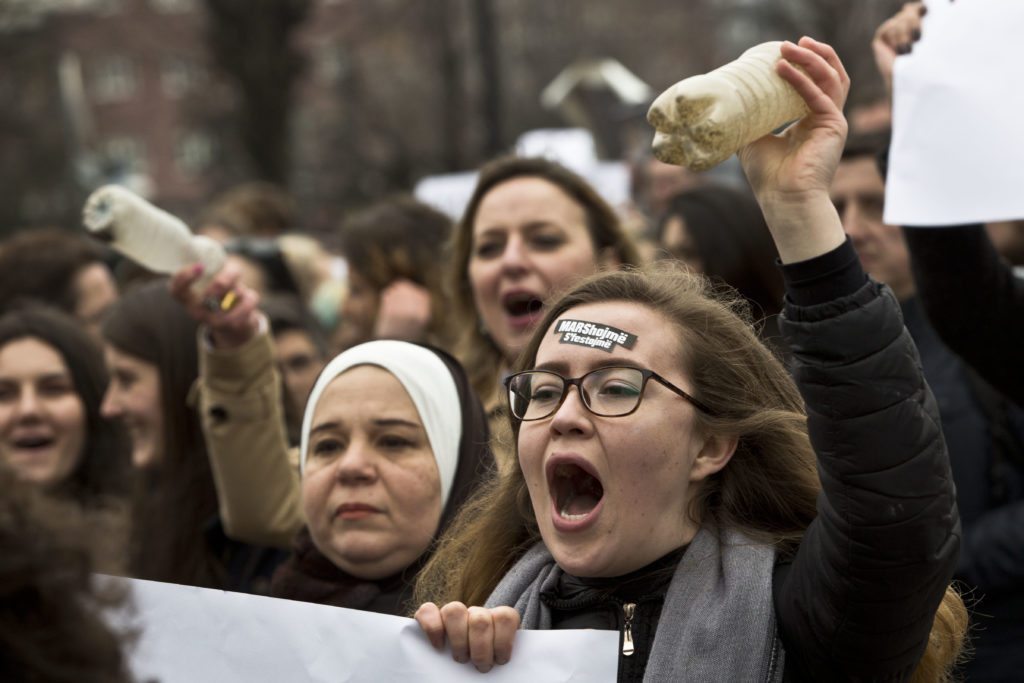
(718, 621)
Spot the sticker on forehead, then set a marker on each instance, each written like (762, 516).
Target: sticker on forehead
(594, 335)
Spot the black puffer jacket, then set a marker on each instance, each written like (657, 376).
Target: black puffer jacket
(973, 300)
(858, 600)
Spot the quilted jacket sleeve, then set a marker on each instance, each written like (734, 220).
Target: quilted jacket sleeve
(858, 601)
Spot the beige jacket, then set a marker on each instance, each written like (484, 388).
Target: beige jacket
(254, 470)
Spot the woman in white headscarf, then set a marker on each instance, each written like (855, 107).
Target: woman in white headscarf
(393, 441)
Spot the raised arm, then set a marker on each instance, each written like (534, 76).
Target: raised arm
(860, 596)
(791, 173)
(240, 404)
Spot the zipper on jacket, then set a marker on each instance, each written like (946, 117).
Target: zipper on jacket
(628, 610)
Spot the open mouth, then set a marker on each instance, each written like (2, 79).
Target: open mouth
(33, 442)
(576, 491)
(518, 305)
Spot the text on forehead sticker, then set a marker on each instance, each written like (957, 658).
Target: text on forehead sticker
(594, 335)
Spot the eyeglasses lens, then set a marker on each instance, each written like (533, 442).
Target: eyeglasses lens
(607, 392)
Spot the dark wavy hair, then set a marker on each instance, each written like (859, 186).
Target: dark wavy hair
(41, 264)
(51, 628)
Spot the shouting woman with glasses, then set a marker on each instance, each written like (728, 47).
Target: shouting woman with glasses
(726, 531)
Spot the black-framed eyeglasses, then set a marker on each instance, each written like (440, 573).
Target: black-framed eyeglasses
(607, 392)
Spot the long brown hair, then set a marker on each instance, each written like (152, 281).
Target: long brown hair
(176, 498)
(731, 240)
(42, 264)
(768, 489)
(477, 351)
(52, 624)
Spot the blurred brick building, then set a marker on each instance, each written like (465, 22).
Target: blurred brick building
(391, 90)
(124, 91)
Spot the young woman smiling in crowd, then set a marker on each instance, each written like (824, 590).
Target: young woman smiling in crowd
(52, 380)
(52, 435)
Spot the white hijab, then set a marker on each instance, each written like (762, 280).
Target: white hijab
(430, 385)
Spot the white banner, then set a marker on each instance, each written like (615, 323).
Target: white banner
(193, 635)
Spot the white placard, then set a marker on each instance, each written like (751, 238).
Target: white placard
(194, 635)
(957, 150)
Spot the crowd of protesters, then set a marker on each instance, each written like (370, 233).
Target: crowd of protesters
(777, 381)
